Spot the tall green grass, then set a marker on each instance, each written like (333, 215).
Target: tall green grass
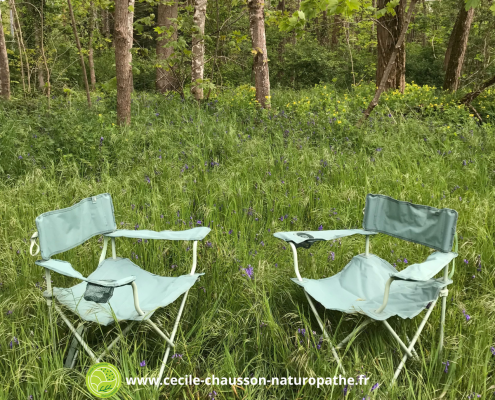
(247, 174)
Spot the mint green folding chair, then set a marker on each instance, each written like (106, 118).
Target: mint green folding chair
(110, 293)
(365, 286)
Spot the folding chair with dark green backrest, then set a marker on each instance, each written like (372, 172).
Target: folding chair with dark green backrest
(365, 286)
(110, 293)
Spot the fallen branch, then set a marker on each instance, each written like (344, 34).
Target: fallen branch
(468, 98)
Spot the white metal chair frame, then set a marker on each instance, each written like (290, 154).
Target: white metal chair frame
(408, 349)
(48, 294)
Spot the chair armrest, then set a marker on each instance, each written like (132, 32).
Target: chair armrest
(310, 237)
(61, 267)
(189, 234)
(110, 283)
(426, 270)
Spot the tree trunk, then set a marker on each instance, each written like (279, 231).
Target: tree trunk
(198, 48)
(166, 79)
(105, 21)
(81, 57)
(260, 64)
(335, 31)
(424, 16)
(130, 20)
(387, 31)
(91, 62)
(390, 65)
(22, 48)
(281, 45)
(400, 63)
(322, 32)
(4, 65)
(38, 37)
(123, 44)
(451, 41)
(458, 45)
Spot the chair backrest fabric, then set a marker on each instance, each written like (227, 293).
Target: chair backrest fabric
(64, 229)
(429, 226)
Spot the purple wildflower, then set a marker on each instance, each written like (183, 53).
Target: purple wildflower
(9, 312)
(468, 317)
(212, 395)
(405, 261)
(249, 271)
(177, 356)
(142, 363)
(230, 231)
(375, 386)
(199, 222)
(446, 366)
(492, 349)
(209, 244)
(136, 227)
(320, 228)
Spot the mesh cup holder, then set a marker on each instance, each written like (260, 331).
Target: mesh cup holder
(97, 293)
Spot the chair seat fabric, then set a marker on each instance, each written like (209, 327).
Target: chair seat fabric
(360, 286)
(154, 291)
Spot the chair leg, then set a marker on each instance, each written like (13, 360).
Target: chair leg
(116, 340)
(49, 300)
(320, 322)
(72, 354)
(413, 342)
(172, 337)
(442, 324)
(354, 333)
(76, 334)
(396, 337)
(416, 357)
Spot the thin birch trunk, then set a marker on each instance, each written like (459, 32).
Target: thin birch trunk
(198, 49)
(81, 57)
(91, 61)
(22, 48)
(4, 65)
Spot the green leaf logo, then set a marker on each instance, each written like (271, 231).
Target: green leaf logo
(103, 380)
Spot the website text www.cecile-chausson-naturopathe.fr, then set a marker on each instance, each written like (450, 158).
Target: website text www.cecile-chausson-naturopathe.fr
(261, 381)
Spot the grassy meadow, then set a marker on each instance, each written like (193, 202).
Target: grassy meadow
(248, 173)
